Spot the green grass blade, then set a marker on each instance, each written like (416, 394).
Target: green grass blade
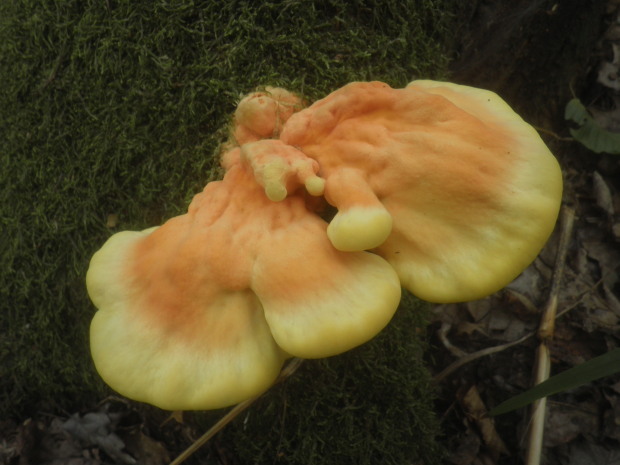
(594, 369)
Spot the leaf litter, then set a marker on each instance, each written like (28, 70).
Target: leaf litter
(488, 347)
(113, 434)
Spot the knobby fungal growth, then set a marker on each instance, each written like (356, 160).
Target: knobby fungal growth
(439, 188)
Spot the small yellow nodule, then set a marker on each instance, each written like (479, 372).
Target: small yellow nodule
(360, 228)
(275, 191)
(315, 185)
(272, 175)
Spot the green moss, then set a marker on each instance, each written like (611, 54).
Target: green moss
(117, 107)
(368, 406)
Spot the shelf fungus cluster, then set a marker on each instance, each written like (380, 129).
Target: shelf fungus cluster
(438, 188)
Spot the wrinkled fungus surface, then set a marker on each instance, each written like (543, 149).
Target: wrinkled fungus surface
(444, 181)
(439, 188)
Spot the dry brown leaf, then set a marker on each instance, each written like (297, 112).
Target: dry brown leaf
(587, 453)
(602, 193)
(98, 429)
(477, 412)
(147, 451)
(565, 422)
(467, 450)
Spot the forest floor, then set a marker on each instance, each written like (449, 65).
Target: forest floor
(538, 60)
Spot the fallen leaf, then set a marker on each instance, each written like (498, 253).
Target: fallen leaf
(477, 412)
(96, 428)
(146, 450)
(587, 453)
(565, 422)
(602, 193)
(467, 450)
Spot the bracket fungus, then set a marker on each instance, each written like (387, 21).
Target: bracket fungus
(444, 181)
(201, 312)
(439, 188)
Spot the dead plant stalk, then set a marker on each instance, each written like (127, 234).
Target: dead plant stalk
(542, 369)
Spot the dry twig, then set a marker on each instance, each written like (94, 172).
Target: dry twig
(554, 135)
(476, 355)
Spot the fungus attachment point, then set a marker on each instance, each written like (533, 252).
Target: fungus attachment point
(262, 114)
